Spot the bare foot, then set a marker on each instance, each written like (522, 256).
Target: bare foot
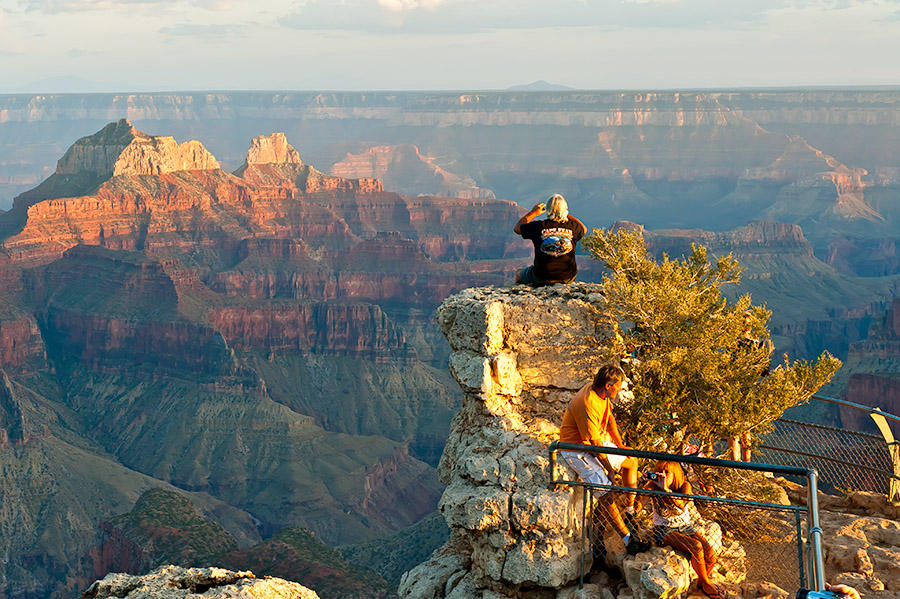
(710, 590)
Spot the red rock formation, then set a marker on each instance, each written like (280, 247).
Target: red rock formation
(98, 341)
(120, 149)
(345, 329)
(12, 419)
(114, 553)
(380, 500)
(186, 209)
(405, 170)
(877, 391)
(20, 342)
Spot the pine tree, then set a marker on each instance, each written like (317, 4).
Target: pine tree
(697, 375)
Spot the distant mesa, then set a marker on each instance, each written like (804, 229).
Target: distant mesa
(539, 86)
(120, 149)
(272, 149)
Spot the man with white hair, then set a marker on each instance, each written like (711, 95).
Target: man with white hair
(554, 241)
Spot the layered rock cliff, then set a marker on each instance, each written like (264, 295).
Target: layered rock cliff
(262, 340)
(403, 168)
(711, 159)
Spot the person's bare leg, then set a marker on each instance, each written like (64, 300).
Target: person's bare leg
(609, 503)
(709, 555)
(629, 479)
(745, 447)
(734, 451)
(694, 547)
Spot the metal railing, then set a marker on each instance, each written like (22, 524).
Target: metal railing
(847, 460)
(765, 537)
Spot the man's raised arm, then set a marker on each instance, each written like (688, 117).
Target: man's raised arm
(536, 211)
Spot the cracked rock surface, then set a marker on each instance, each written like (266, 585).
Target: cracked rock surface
(173, 582)
(519, 354)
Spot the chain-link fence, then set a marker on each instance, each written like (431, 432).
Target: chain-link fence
(846, 460)
(727, 519)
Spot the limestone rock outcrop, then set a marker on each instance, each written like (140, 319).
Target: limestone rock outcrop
(272, 149)
(120, 149)
(860, 540)
(173, 582)
(519, 354)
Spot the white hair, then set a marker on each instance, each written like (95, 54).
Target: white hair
(557, 209)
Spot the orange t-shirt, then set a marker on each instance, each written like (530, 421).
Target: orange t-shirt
(586, 418)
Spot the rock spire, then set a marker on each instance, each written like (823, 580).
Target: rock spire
(272, 149)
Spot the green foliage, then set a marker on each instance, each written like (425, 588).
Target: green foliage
(393, 555)
(698, 374)
(168, 526)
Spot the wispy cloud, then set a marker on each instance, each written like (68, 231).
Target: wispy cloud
(60, 6)
(64, 6)
(210, 32)
(467, 16)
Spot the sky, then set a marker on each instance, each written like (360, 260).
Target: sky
(168, 45)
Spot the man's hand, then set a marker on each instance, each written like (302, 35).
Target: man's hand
(849, 592)
(532, 214)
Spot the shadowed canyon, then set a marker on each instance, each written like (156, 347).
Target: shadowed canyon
(228, 350)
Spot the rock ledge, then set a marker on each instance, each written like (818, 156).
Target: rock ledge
(173, 582)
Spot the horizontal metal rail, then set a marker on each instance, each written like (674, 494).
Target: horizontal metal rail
(814, 539)
(857, 406)
(684, 459)
(671, 494)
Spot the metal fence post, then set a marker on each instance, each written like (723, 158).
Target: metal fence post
(893, 450)
(553, 485)
(584, 500)
(799, 525)
(817, 567)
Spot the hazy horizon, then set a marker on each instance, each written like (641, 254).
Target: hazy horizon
(94, 46)
(32, 89)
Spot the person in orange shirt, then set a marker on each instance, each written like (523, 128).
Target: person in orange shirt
(589, 421)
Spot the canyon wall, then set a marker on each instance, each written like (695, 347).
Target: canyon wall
(820, 158)
(260, 338)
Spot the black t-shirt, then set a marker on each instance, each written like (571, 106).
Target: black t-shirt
(554, 247)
